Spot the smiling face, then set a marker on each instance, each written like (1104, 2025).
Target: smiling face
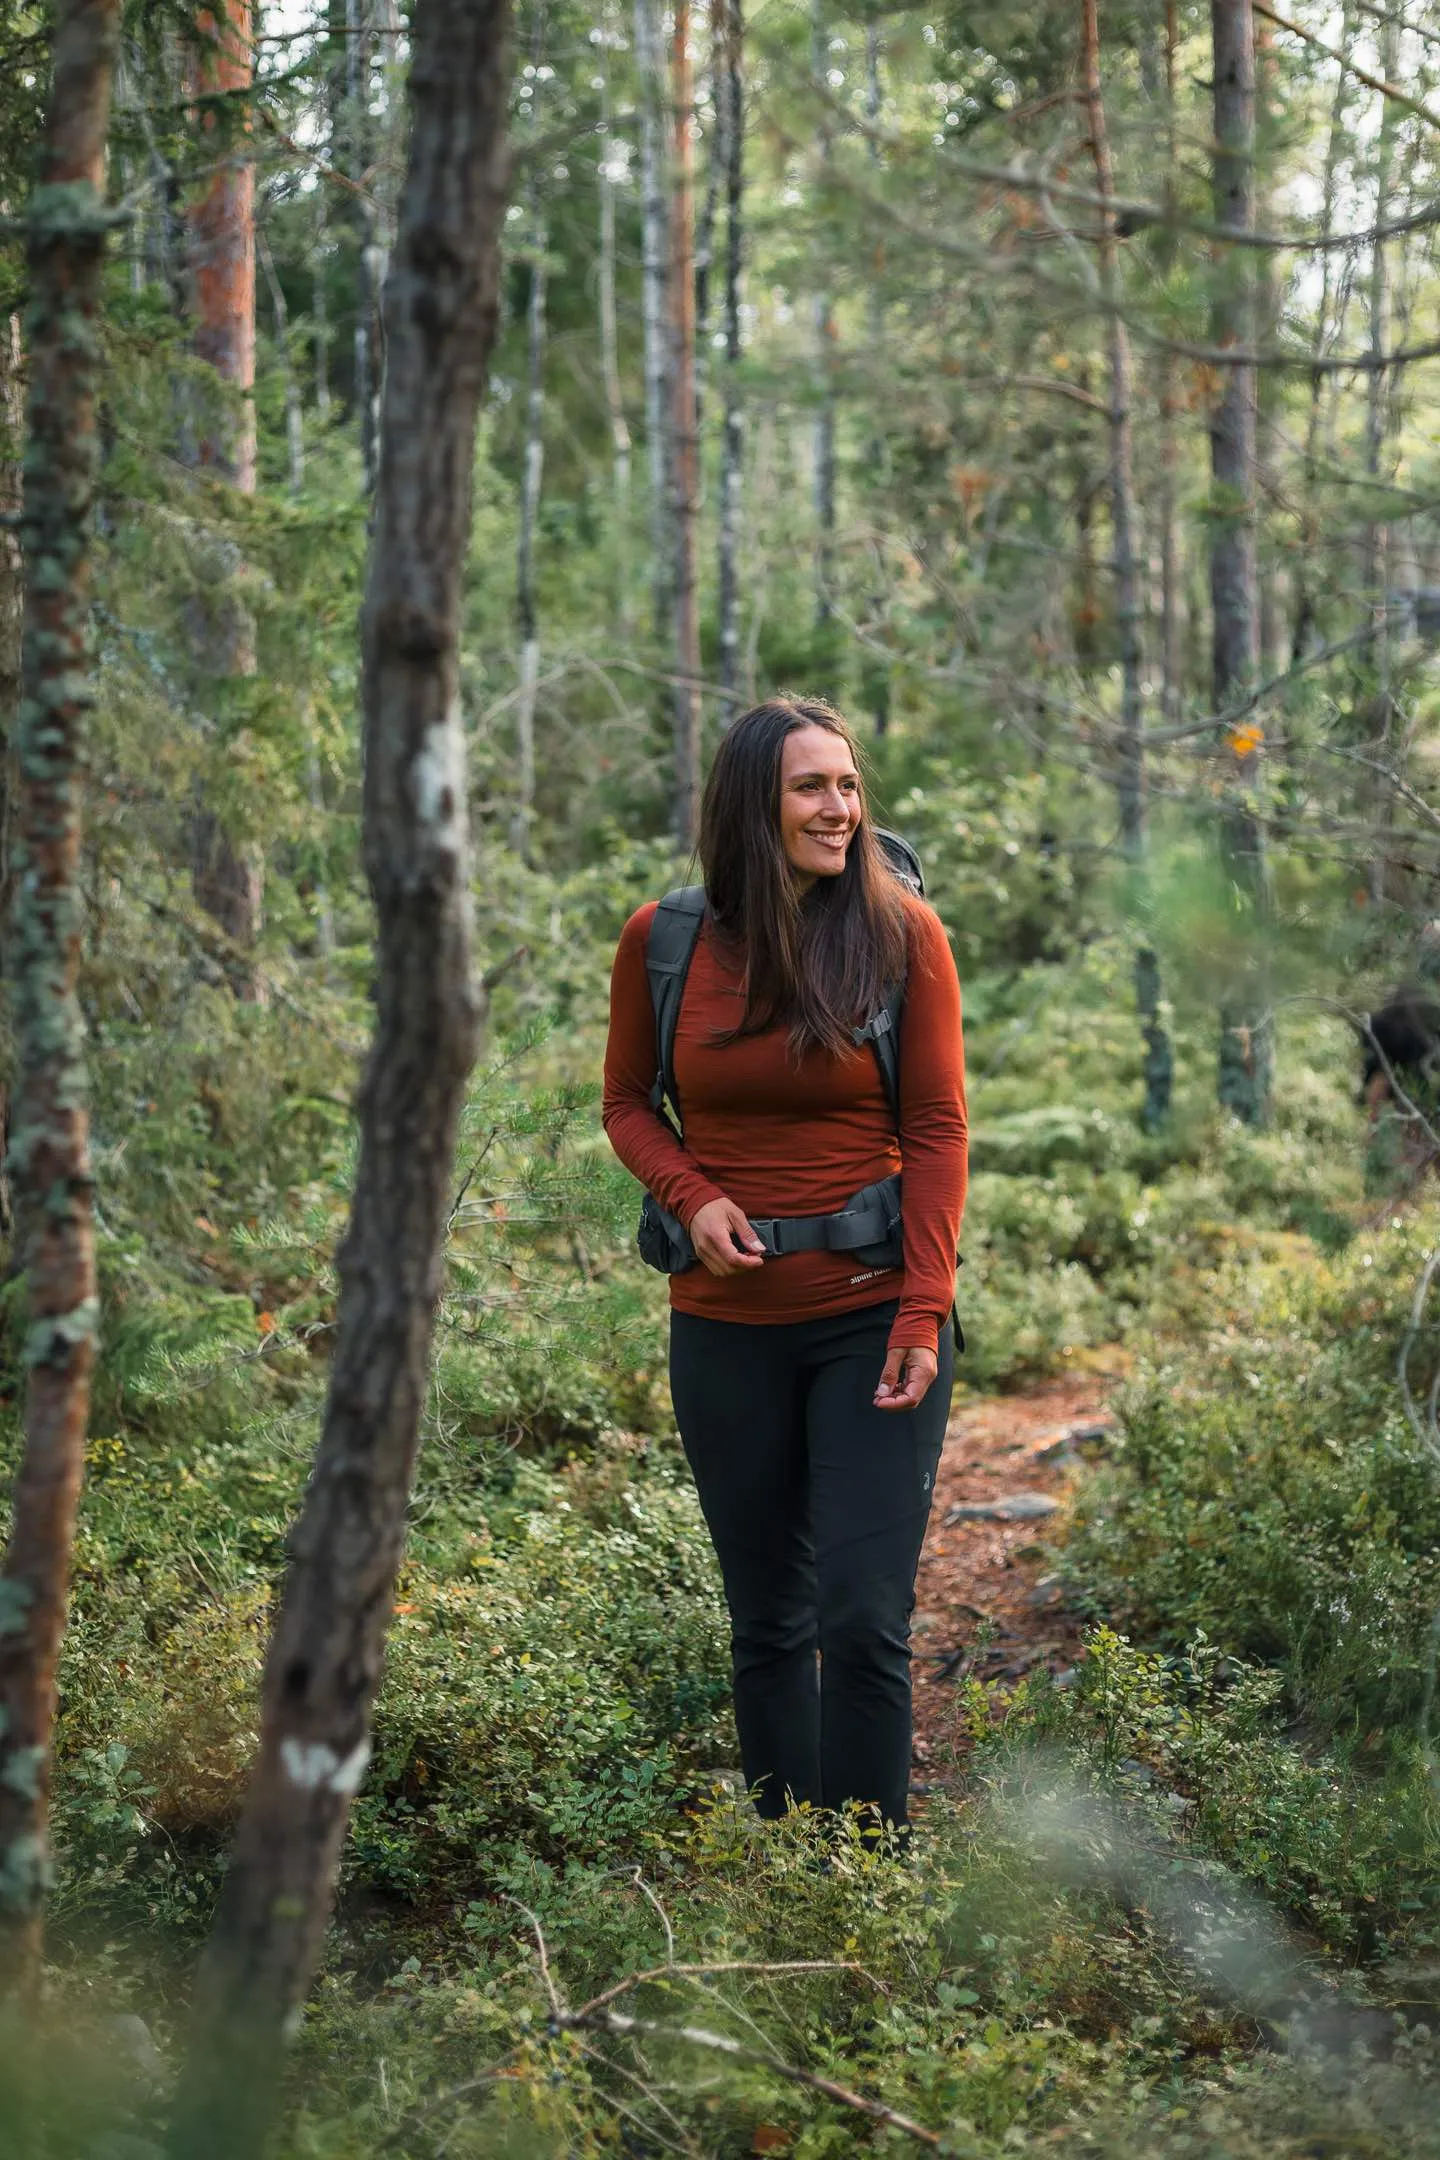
(819, 803)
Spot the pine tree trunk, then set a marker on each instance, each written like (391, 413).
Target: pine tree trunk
(324, 1662)
(683, 437)
(732, 439)
(228, 872)
(526, 613)
(1130, 772)
(1246, 1048)
(50, 1148)
(655, 254)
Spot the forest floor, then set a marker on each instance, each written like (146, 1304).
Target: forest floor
(988, 1601)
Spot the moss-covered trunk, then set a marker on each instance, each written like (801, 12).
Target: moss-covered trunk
(50, 1147)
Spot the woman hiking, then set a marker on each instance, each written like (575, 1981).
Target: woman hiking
(811, 1379)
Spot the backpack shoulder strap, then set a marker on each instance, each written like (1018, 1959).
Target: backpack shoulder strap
(669, 949)
(882, 1032)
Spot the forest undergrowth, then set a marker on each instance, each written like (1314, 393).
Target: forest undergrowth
(1184, 1904)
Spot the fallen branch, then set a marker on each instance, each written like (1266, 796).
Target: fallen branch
(598, 2016)
(626, 2027)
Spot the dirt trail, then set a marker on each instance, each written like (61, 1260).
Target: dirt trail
(986, 1601)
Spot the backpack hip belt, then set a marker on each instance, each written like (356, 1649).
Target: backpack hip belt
(868, 1226)
(870, 1217)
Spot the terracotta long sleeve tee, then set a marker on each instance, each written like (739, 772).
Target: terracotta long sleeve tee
(781, 1137)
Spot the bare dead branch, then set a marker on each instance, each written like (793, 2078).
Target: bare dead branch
(1351, 67)
(768, 1966)
(698, 2036)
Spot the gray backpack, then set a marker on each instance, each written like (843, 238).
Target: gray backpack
(869, 1223)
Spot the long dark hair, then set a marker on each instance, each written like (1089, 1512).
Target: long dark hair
(819, 962)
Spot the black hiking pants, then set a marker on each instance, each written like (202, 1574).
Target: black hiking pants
(816, 1504)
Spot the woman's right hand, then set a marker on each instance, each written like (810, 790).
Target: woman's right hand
(723, 1239)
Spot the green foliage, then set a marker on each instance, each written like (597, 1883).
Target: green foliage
(1270, 1490)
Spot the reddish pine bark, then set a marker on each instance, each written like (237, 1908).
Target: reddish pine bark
(228, 871)
(50, 1152)
(222, 245)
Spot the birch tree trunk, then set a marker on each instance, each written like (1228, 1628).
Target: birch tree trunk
(610, 343)
(526, 614)
(1246, 1048)
(654, 280)
(709, 214)
(1375, 570)
(369, 263)
(1304, 624)
(683, 435)
(875, 668)
(1130, 773)
(294, 415)
(732, 438)
(320, 308)
(324, 1661)
(50, 1147)
(1269, 389)
(1172, 661)
(824, 379)
(228, 872)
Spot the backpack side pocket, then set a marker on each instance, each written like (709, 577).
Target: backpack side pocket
(663, 1240)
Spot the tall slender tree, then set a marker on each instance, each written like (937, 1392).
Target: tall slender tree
(1171, 569)
(228, 870)
(532, 470)
(732, 433)
(655, 313)
(1303, 626)
(50, 1149)
(1124, 527)
(684, 435)
(1246, 1049)
(609, 335)
(824, 323)
(876, 670)
(324, 1661)
(12, 612)
(369, 260)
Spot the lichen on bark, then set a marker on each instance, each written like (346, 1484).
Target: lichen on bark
(67, 226)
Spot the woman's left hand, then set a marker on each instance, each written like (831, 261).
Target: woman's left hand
(906, 1379)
